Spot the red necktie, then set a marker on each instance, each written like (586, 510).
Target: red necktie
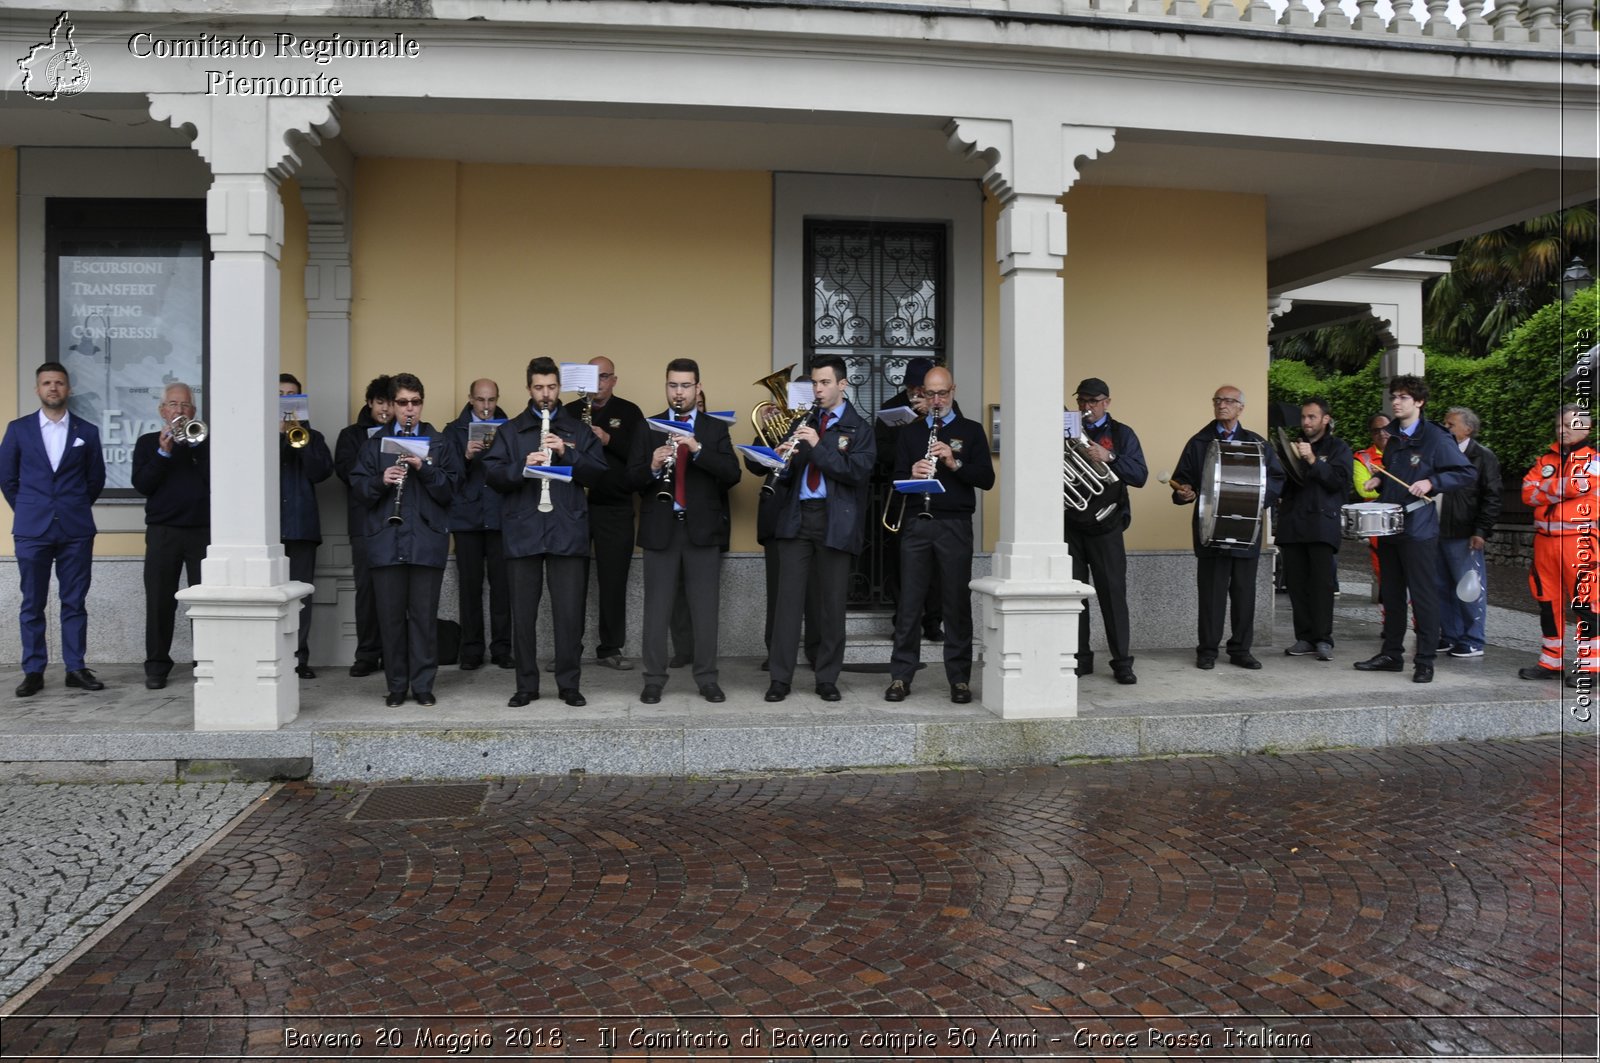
(680, 480)
(814, 474)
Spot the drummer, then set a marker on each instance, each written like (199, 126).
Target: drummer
(1308, 531)
(1225, 574)
(1420, 461)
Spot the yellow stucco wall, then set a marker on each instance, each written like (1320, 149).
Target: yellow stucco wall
(292, 292)
(1146, 310)
(469, 270)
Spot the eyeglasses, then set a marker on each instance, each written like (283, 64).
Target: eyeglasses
(408, 402)
(608, 376)
(938, 394)
(177, 405)
(1227, 402)
(1085, 400)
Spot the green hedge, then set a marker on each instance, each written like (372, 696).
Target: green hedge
(1515, 389)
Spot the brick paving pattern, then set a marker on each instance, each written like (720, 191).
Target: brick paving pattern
(72, 856)
(1421, 901)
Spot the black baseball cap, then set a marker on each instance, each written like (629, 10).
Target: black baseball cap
(1093, 386)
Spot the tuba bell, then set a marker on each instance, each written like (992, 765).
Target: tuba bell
(772, 418)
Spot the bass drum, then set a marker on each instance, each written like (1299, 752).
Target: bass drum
(1233, 490)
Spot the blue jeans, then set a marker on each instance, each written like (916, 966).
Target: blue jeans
(1461, 623)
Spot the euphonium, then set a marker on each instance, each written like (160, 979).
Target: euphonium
(772, 418)
(296, 433)
(1083, 478)
(188, 430)
(399, 490)
(545, 505)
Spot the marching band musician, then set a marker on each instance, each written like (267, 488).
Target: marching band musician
(1225, 575)
(1309, 529)
(614, 421)
(1368, 460)
(300, 469)
(346, 452)
(824, 497)
(1426, 460)
(683, 483)
(406, 526)
(936, 539)
(1561, 487)
(475, 525)
(1097, 546)
(545, 528)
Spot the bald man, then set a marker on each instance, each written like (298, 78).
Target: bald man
(475, 524)
(613, 420)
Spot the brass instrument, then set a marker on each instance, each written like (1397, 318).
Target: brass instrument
(545, 505)
(933, 437)
(296, 433)
(1084, 479)
(188, 430)
(772, 418)
(399, 490)
(804, 418)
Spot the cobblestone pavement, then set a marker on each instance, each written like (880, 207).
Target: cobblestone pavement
(1421, 901)
(71, 857)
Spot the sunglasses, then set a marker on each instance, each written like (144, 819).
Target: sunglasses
(408, 402)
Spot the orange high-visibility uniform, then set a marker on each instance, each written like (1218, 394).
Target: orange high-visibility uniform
(1368, 462)
(1564, 492)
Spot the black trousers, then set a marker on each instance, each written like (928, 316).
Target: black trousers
(611, 530)
(169, 552)
(806, 565)
(1308, 570)
(479, 553)
(1409, 565)
(769, 554)
(567, 578)
(408, 624)
(1105, 559)
(1223, 581)
(369, 644)
(934, 552)
(302, 556)
(681, 573)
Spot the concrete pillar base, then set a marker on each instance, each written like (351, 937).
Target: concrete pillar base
(1030, 639)
(244, 643)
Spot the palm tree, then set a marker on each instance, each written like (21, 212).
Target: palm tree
(1499, 278)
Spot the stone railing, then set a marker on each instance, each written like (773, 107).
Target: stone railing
(1546, 25)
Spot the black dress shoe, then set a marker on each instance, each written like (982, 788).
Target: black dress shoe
(503, 660)
(1206, 663)
(32, 683)
(777, 691)
(713, 693)
(425, 699)
(84, 679)
(897, 691)
(394, 701)
(1534, 672)
(571, 696)
(1084, 667)
(679, 660)
(362, 669)
(933, 634)
(1301, 648)
(651, 695)
(471, 664)
(1125, 676)
(1381, 663)
(522, 697)
(155, 682)
(960, 693)
(828, 692)
(1422, 673)
(1244, 660)
(304, 671)
(766, 662)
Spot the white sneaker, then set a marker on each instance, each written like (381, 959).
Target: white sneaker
(1466, 651)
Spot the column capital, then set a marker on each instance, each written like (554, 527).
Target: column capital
(248, 134)
(1028, 156)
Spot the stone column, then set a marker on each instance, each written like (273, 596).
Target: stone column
(333, 636)
(245, 610)
(1031, 605)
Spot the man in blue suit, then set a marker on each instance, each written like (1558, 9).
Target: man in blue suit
(51, 472)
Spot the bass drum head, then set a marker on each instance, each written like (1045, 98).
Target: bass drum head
(1233, 489)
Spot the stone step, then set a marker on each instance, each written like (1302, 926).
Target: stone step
(877, 650)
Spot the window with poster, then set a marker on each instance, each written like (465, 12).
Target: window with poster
(125, 309)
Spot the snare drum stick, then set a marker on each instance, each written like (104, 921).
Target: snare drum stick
(1422, 501)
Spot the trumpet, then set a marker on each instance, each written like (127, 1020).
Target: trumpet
(1084, 479)
(188, 430)
(545, 505)
(926, 514)
(296, 433)
(399, 490)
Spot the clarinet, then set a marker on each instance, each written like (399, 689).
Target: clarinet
(399, 491)
(667, 492)
(934, 414)
(771, 483)
(545, 505)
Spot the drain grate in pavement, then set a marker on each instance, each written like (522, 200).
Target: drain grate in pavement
(421, 802)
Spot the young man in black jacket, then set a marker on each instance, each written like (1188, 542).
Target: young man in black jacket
(1310, 529)
(347, 448)
(300, 469)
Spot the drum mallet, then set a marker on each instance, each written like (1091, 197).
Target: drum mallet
(1419, 503)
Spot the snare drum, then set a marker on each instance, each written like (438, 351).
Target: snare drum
(1364, 520)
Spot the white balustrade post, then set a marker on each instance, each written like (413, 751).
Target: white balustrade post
(1541, 22)
(1474, 27)
(1580, 25)
(1367, 19)
(1507, 20)
(245, 609)
(1404, 21)
(1031, 605)
(1438, 25)
(1333, 16)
